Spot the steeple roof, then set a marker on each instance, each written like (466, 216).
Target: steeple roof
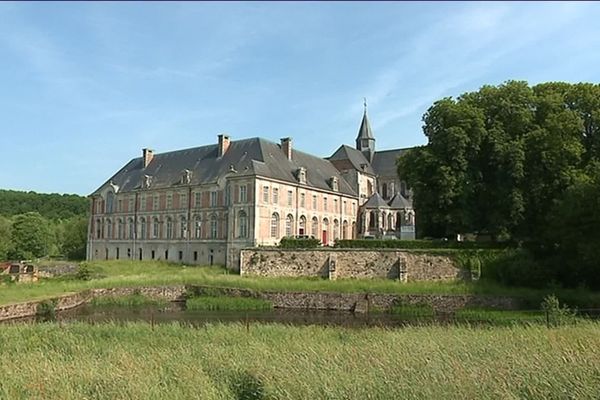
(365, 132)
(376, 201)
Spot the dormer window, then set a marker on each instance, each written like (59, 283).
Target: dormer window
(334, 183)
(186, 177)
(301, 175)
(147, 182)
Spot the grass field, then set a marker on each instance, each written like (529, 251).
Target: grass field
(134, 273)
(134, 361)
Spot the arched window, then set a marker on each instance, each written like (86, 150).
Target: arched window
(198, 227)
(390, 224)
(336, 229)
(398, 220)
(353, 234)
(345, 230)
(143, 228)
(315, 227)
(372, 220)
(108, 229)
(169, 228)
(302, 227)
(213, 227)
(120, 228)
(242, 225)
(183, 227)
(275, 225)
(384, 191)
(110, 200)
(155, 228)
(98, 229)
(289, 224)
(131, 228)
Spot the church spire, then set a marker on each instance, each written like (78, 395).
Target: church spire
(365, 141)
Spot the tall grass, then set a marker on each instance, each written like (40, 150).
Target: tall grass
(133, 300)
(135, 361)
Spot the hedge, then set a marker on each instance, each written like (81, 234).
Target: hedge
(299, 243)
(418, 244)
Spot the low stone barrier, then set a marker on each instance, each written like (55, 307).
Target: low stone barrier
(355, 302)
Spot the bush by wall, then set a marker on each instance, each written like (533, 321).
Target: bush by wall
(417, 244)
(299, 243)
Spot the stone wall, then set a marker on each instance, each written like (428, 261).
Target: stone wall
(349, 263)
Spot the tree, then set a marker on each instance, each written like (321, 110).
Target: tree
(75, 238)
(5, 240)
(30, 236)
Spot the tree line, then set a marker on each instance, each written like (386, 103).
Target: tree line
(34, 225)
(516, 162)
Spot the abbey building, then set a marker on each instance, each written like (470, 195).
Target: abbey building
(202, 205)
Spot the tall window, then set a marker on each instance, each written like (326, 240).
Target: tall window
(197, 199)
(302, 199)
(335, 205)
(143, 228)
(183, 227)
(155, 203)
(131, 228)
(345, 209)
(242, 224)
(243, 194)
(336, 229)
(120, 229)
(353, 208)
(275, 196)
(169, 201)
(275, 225)
(302, 226)
(143, 202)
(169, 228)
(98, 229)
(155, 228)
(227, 194)
(120, 205)
(289, 224)
(110, 199)
(325, 208)
(345, 230)
(130, 204)
(183, 200)
(108, 229)
(289, 198)
(314, 202)
(315, 227)
(197, 227)
(213, 198)
(265, 194)
(213, 227)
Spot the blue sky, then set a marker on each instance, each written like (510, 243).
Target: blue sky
(84, 86)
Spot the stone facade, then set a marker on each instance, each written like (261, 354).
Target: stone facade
(345, 263)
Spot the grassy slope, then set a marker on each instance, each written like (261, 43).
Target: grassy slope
(133, 361)
(133, 273)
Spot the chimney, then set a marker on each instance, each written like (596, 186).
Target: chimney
(286, 146)
(147, 155)
(223, 144)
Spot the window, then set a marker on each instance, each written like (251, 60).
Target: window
(166, 254)
(183, 200)
(289, 198)
(129, 253)
(243, 194)
(155, 228)
(183, 227)
(302, 199)
(120, 205)
(243, 225)
(197, 199)
(155, 203)
(265, 194)
(213, 198)
(335, 205)
(345, 209)
(315, 227)
(98, 229)
(325, 208)
(345, 230)
(180, 255)
(108, 229)
(314, 202)
(131, 230)
(197, 227)
(169, 228)
(213, 227)
(353, 208)
(302, 227)
(195, 256)
(274, 225)
(169, 201)
(143, 228)
(120, 229)
(130, 204)
(227, 195)
(384, 191)
(289, 224)
(143, 202)
(275, 196)
(117, 254)
(336, 229)
(110, 198)
(153, 254)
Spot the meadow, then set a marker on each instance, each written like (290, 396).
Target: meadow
(171, 361)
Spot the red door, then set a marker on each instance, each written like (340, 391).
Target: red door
(324, 240)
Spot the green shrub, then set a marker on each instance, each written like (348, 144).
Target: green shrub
(417, 244)
(299, 243)
(556, 313)
(46, 310)
(83, 272)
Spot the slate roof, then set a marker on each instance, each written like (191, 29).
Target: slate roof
(354, 156)
(376, 201)
(255, 156)
(399, 201)
(384, 162)
(365, 131)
